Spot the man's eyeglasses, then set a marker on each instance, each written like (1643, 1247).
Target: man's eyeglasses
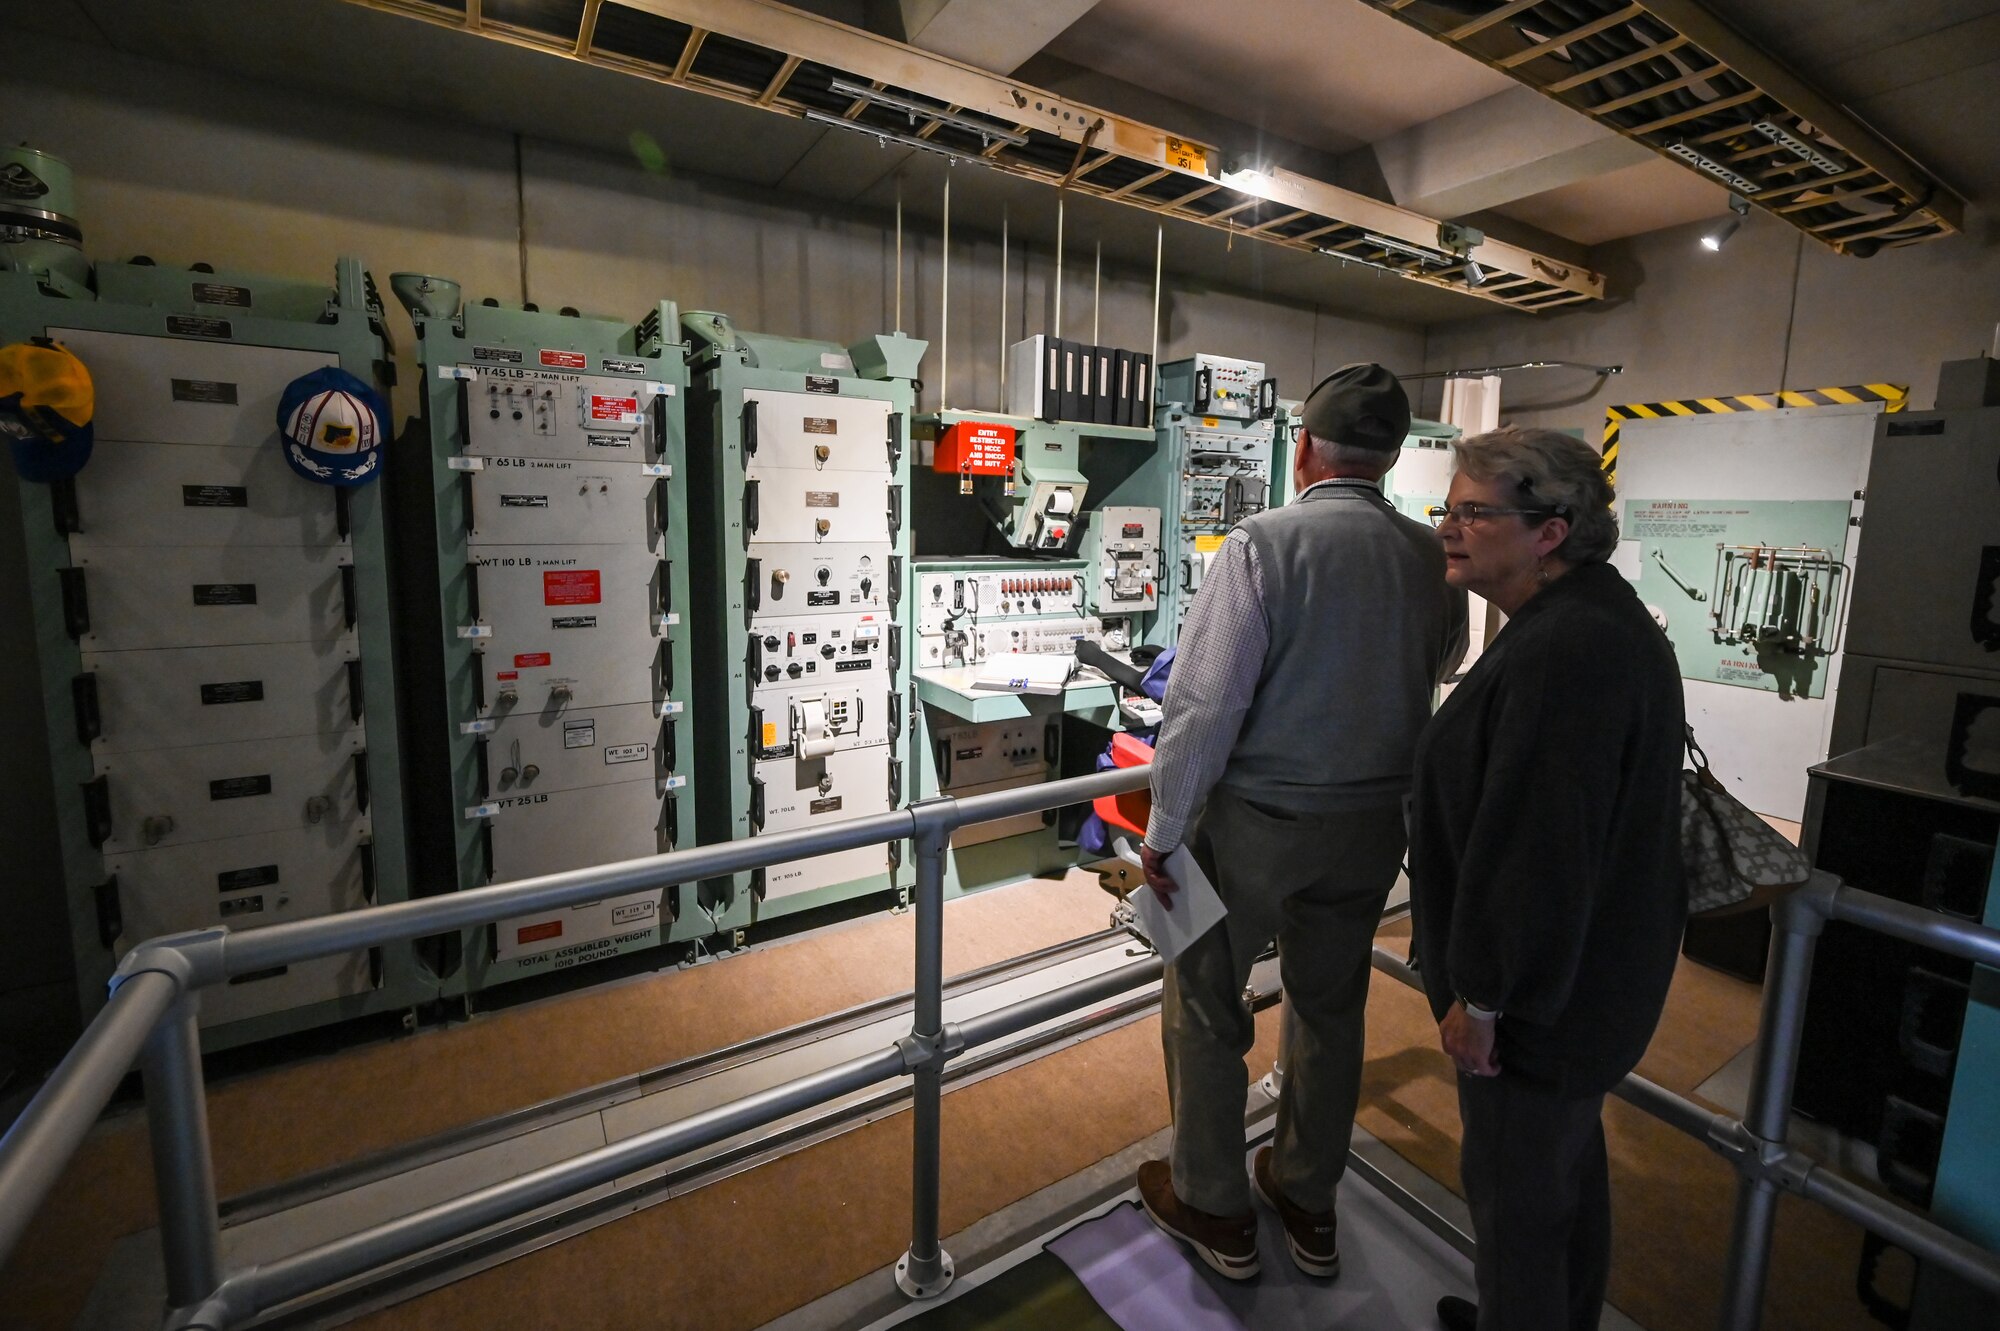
(1471, 514)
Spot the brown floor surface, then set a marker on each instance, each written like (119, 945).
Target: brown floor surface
(307, 1116)
(740, 1252)
(839, 1210)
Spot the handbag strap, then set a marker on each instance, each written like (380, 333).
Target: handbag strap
(1695, 753)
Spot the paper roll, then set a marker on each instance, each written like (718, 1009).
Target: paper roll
(1062, 503)
(810, 731)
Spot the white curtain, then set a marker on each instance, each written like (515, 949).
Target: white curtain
(1473, 405)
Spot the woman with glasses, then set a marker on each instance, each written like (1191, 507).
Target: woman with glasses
(1545, 868)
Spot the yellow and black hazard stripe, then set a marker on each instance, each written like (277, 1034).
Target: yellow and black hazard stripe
(1894, 396)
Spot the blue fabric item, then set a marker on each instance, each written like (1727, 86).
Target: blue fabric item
(42, 457)
(1094, 836)
(1154, 685)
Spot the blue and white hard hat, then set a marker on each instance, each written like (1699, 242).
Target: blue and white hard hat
(333, 427)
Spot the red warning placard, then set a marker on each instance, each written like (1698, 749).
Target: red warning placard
(565, 360)
(975, 448)
(572, 586)
(607, 408)
(527, 659)
(535, 933)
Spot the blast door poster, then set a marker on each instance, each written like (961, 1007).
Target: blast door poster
(1752, 593)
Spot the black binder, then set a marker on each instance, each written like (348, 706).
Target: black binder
(1121, 387)
(1072, 383)
(1052, 366)
(1104, 400)
(1142, 390)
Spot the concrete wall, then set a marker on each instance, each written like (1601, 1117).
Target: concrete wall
(186, 167)
(1770, 311)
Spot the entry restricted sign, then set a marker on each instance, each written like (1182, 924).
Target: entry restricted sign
(975, 448)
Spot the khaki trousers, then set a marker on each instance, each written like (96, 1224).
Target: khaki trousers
(1316, 883)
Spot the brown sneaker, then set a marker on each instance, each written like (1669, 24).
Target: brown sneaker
(1309, 1234)
(1227, 1243)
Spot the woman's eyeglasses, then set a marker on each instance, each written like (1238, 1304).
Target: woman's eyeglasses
(1471, 514)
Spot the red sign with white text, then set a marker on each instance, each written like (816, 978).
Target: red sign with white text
(565, 360)
(580, 586)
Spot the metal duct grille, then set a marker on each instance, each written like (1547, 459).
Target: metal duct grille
(1670, 75)
(767, 55)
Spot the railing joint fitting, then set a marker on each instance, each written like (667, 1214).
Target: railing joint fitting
(931, 1051)
(933, 820)
(1806, 910)
(192, 960)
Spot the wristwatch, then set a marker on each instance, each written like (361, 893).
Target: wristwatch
(1478, 1013)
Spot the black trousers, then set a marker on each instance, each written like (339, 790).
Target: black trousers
(1535, 1176)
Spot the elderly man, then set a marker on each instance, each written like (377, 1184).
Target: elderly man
(1306, 669)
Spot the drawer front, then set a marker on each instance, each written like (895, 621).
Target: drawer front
(169, 390)
(174, 697)
(148, 598)
(200, 494)
(171, 797)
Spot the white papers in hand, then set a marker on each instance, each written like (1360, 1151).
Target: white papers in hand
(1196, 908)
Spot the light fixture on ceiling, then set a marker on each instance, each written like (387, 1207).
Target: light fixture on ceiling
(1461, 240)
(1718, 235)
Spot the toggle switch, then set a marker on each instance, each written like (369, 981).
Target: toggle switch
(825, 575)
(822, 526)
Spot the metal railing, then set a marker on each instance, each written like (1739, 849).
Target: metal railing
(1764, 1163)
(151, 1019)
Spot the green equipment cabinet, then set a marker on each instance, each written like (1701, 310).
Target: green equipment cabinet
(544, 543)
(214, 637)
(799, 474)
(1216, 417)
(1078, 506)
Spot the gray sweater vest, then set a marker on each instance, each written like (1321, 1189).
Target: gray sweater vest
(1362, 630)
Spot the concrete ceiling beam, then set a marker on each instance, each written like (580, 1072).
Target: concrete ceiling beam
(1509, 146)
(995, 37)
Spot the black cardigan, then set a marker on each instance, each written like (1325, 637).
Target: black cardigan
(1544, 834)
